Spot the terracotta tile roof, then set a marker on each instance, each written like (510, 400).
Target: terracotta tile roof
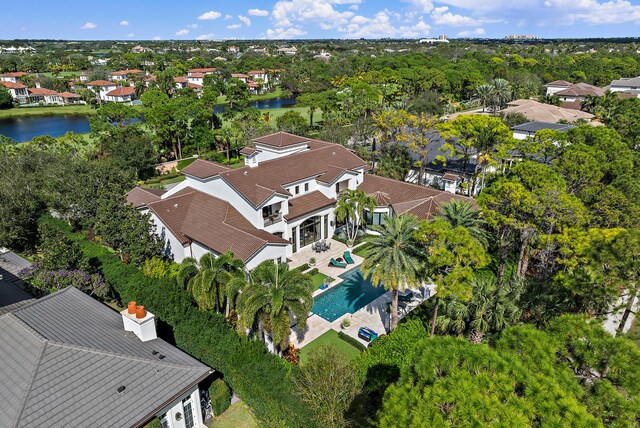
(180, 79)
(14, 74)
(450, 176)
(141, 196)
(581, 90)
(194, 86)
(192, 215)
(253, 72)
(252, 84)
(11, 85)
(307, 204)
(123, 72)
(405, 197)
(122, 91)
(539, 112)
(69, 95)
(281, 139)
(239, 76)
(258, 183)
(559, 83)
(42, 91)
(100, 83)
(196, 75)
(202, 70)
(248, 151)
(201, 168)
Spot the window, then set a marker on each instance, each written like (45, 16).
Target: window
(306, 187)
(326, 226)
(164, 422)
(297, 189)
(188, 413)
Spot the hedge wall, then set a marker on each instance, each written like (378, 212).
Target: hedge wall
(261, 379)
(220, 395)
(352, 341)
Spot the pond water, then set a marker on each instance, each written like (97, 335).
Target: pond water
(26, 128)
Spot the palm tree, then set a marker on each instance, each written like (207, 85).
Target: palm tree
(350, 208)
(461, 213)
(209, 278)
(485, 93)
(267, 117)
(393, 259)
(502, 91)
(273, 295)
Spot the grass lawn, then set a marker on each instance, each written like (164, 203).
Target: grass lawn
(362, 250)
(329, 338)
(237, 415)
(61, 74)
(46, 111)
(277, 93)
(318, 279)
(634, 331)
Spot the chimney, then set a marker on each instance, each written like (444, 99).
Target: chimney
(138, 320)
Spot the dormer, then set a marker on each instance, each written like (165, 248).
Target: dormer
(278, 145)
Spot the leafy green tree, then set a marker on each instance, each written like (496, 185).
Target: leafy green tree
(350, 208)
(292, 122)
(113, 114)
(394, 162)
(237, 95)
(273, 296)
(6, 100)
(393, 260)
(58, 251)
(210, 279)
(328, 384)
(129, 148)
(452, 254)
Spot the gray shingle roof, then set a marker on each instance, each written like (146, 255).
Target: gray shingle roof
(538, 126)
(65, 355)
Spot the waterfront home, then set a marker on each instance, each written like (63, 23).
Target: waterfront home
(122, 94)
(258, 74)
(69, 360)
(44, 95)
(18, 91)
(279, 203)
(12, 77)
(70, 98)
(102, 86)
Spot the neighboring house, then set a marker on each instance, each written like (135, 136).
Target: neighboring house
(12, 77)
(69, 360)
(233, 49)
(44, 95)
(18, 91)
(122, 94)
(288, 51)
(625, 84)
(84, 77)
(196, 78)
(243, 77)
(12, 294)
(540, 112)
(140, 49)
(181, 82)
(573, 96)
(208, 70)
(70, 98)
(125, 75)
(280, 202)
(104, 87)
(557, 86)
(258, 74)
(529, 129)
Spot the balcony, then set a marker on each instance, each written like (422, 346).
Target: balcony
(272, 219)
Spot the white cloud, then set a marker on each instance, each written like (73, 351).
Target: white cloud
(354, 7)
(472, 33)
(595, 12)
(210, 16)
(227, 17)
(194, 26)
(130, 35)
(245, 20)
(286, 12)
(208, 36)
(258, 12)
(124, 23)
(89, 26)
(182, 32)
(423, 6)
(234, 26)
(285, 33)
(381, 25)
(442, 16)
(157, 38)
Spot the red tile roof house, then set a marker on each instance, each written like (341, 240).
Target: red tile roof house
(259, 74)
(12, 77)
(122, 94)
(280, 202)
(556, 86)
(104, 87)
(121, 75)
(44, 95)
(18, 91)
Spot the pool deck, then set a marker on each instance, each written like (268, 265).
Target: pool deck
(374, 315)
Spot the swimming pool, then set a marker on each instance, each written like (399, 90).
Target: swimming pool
(354, 293)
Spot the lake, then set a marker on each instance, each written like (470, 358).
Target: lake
(25, 128)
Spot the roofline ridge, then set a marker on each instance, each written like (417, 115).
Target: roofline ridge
(42, 299)
(31, 381)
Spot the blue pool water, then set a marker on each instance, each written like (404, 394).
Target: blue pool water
(354, 293)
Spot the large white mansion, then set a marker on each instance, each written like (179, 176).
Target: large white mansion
(281, 201)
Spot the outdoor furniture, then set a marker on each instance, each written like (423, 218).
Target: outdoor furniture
(328, 245)
(324, 286)
(367, 334)
(335, 263)
(314, 246)
(348, 258)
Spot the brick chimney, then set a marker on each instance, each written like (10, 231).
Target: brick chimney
(140, 321)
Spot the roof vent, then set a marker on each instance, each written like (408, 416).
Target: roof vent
(161, 357)
(121, 389)
(175, 205)
(141, 322)
(154, 352)
(246, 173)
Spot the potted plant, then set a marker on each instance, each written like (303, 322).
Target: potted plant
(350, 243)
(312, 261)
(346, 323)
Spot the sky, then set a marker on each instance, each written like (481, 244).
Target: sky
(313, 19)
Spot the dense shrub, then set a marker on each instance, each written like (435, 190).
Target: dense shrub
(313, 271)
(220, 395)
(261, 379)
(352, 341)
(302, 268)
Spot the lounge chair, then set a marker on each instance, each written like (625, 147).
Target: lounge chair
(406, 297)
(335, 263)
(347, 257)
(367, 334)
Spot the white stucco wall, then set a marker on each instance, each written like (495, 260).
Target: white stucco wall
(171, 412)
(173, 248)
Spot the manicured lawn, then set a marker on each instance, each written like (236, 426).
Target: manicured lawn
(277, 93)
(362, 250)
(47, 111)
(61, 74)
(237, 415)
(329, 338)
(318, 280)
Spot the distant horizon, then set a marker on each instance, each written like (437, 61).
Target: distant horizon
(322, 20)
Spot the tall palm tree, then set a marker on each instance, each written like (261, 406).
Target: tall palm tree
(461, 213)
(393, 259)
(502, 91)
(208, 279)
(273, 295)
(485, 93)
(350, 207)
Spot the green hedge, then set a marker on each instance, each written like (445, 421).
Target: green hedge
(359, 250)
(220, 395)
(312, 271)
(352, 341)
(302, 268)
(262, 380)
